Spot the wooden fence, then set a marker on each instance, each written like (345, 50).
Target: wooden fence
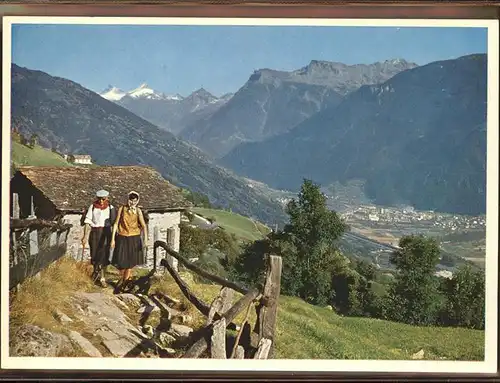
(34, 244)
(250, 344)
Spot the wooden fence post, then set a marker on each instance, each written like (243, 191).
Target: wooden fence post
(220, 304)
(218, 340)
(53, 239)
(156, 235)
(32, 209)
(33, 238)
(15, 205)
(268, 311)
(171, 242)
(264, 349)
(240, 353)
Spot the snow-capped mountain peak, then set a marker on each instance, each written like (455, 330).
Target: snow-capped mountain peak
(142, 92)
(175, 97)
(112, 93)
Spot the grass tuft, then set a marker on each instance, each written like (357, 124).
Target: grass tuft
(38, 298)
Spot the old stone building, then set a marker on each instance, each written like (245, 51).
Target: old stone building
(64, 193)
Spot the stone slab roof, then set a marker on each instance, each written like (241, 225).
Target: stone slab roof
(73, 188)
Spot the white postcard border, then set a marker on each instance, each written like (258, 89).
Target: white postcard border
(130, 364)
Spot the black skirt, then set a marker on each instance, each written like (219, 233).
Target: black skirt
(128, 252)
(99, 241)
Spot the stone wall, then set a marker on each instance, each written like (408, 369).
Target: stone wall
(74, 242)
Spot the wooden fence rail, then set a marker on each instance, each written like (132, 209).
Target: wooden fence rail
(34, 244)
(256, 344)
(190, 266)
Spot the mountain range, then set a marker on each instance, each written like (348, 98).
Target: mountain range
(418, 138)
(273, 102)
(169, 112)
(73, 119)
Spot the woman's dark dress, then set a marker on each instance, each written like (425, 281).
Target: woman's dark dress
(128, 251)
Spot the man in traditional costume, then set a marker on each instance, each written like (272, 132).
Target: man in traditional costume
(98, 224)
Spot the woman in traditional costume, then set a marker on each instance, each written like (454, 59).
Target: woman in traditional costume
(129, 250)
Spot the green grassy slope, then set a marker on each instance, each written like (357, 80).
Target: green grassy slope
(310, 332)
(242, 227)
(38, 156)
(305, 331)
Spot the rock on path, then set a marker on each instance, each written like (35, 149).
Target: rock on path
(32, 340)
(129, 299)
(87, 347)
(179, 331)
(104, 318)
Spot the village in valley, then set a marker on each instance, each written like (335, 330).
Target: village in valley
(408, 215)
(462, 235)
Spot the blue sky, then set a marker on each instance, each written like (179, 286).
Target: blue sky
(181, 59)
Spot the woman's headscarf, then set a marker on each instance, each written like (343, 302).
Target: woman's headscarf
(132, 204)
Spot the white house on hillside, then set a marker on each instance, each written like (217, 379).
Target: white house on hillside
(83, 159)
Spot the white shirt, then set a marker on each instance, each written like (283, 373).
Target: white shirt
(98, 217)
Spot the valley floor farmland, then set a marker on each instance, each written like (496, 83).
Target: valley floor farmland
(468, 244)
